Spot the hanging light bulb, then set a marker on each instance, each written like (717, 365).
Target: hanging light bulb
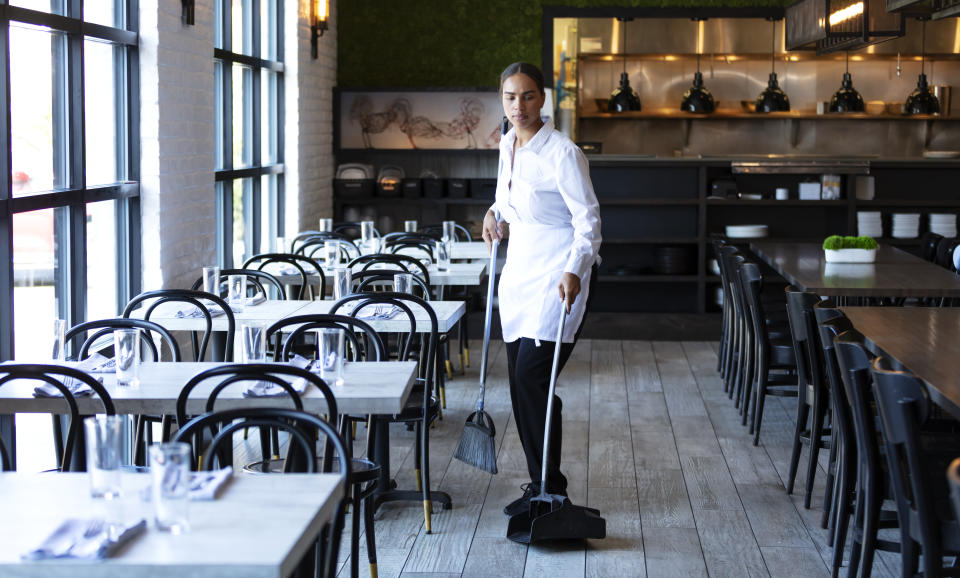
(697, 98)
(773, 99)
(847, 99)
(623, 98)
(922, 100)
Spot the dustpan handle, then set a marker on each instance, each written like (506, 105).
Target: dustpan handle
(487, 318)
(553, 386)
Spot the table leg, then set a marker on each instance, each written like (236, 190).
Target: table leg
(8, 432)
(385, 491)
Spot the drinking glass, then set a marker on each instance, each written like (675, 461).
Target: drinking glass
(331, 355)
(403, 282)
(325, 225)
(449, 231)
(254, 339)
(170, 471)
(331, 253)
(104, 442)
(237, 296)
(211, 280)
(341, 283)
(410, 227)
(366, 231)
(281, 245)
(443, 255)
(126, 355)
(57, 352)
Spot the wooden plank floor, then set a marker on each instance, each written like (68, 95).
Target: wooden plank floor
(653, 442)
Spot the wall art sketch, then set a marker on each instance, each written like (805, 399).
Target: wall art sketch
(447, 120)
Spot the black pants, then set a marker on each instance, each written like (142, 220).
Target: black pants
(528, 368)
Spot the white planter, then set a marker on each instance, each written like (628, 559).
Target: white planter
(850, 255)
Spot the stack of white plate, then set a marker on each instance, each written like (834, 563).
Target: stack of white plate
(906, 225)
(869, 224)
(943, 224)
(746, 231)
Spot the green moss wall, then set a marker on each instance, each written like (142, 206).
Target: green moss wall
(454, 42)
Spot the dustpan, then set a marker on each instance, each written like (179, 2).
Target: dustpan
(552, 516)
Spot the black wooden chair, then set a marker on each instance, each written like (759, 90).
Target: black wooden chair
(928, 246)
(257, 283)
(394, 261)
(311, 246)
(58, 377)
(304, 266)
(197, 299)
(918, 457)
(93, 331)
(304, 430)
(423, 405)
(812, 389)
(872, 485)
(773, 357)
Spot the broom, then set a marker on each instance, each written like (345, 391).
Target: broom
(477, 446)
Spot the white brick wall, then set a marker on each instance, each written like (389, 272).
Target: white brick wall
(177, 128)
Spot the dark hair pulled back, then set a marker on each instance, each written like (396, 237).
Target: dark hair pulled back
(530, 70)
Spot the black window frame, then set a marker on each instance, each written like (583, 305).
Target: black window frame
(226, 174)
(74, 198)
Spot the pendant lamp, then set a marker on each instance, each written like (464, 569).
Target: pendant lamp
(922, 100)
(847, 99)
(623, 98)
(697, 98)
(773, 99)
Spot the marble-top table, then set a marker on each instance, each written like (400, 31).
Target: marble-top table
(259, 527)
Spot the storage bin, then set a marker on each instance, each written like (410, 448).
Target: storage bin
(411, 188)
(354, 187)
(457, 188)
(432, 188)
(483, 188)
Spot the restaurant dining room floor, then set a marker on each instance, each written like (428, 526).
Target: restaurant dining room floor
(653, 442)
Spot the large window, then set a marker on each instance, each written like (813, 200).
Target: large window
(69, 190)
(249, 92)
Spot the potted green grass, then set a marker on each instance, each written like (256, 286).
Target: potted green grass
(839, 249)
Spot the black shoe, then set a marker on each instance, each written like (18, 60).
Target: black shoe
(523, 502)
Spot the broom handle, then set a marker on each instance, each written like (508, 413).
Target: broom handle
(553, 386)
(487, 318)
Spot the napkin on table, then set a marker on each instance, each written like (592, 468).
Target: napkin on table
(96, 363)
(86, 539)
(266, 389)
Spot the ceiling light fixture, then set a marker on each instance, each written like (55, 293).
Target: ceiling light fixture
(773, 99)
(847, 99)
(697, 98)
(922, 100)
(623, 98)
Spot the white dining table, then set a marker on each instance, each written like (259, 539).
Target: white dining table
(258, 527)
(368, 387)
(448, 314)
(267, 312)
(457, 274)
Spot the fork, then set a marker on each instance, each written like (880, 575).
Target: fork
(93, 529)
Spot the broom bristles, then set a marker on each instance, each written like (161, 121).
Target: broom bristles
(477, 448)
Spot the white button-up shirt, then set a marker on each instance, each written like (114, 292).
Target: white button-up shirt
(545, 194)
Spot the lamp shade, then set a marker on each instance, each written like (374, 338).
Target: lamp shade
(921, 100)
(773, 99)
(847, 99)
(697, 98)
(623, 98)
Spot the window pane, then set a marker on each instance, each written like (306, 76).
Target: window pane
(218, 121)
(101, 260)
(241, 26)
(268, 212)
(242, 116)
(51, 6)
(241, 213)
(37, 110)
(268, 117)
(218, 23)
(105, 12)
(35, 269)
(101, 106)
(268, 29)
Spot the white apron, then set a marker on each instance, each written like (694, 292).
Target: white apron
(528, 292)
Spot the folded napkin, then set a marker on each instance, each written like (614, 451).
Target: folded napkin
(204, 486)
(86, 539)
(281, 269)
(96, 363)
(380, 311)
(267, 389)
(188, 311)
